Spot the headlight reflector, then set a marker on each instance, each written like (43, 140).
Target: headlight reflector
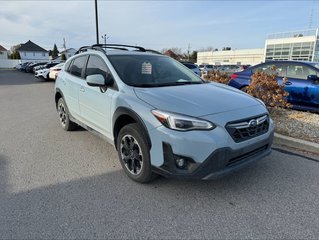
(181, 122)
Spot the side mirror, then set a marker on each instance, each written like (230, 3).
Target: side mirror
(313, 78)
(95, 80)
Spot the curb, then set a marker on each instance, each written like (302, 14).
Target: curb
(296, 143)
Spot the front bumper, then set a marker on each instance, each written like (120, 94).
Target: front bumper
(219, 163)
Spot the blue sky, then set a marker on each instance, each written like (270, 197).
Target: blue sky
(153, 24)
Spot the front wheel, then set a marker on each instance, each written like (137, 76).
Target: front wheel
(134, 155)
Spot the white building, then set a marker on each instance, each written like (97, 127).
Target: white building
(3, 53)
(69, 52)
(237, 57)
(30, 51)
(298, 45)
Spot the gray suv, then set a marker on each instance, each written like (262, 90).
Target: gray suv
(160, 116)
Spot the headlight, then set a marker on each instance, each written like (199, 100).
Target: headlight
(181, 122)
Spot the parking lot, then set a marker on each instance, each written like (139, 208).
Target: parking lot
(57, 184)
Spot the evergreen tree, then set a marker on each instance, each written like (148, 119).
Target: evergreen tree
(63, 57)
(55, 51)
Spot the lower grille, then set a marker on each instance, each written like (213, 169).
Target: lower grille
(249, 128)
(246, 155)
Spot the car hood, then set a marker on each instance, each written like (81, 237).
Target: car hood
(196, 100)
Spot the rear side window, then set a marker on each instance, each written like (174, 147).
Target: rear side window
(268, 68)
(77, 66)
(67, 65)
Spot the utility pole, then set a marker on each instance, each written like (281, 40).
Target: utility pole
(97, 23)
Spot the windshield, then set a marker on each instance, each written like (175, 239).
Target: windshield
(152, 71)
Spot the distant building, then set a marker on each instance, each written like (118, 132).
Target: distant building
(30, 51)
(232, 57)
(68, 52)
(3, 53)
(171, 54)
(297, 45)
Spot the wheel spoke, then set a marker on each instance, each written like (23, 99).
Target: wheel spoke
(131, 154)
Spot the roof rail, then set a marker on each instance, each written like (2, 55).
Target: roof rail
(119, 46)
(101, 47)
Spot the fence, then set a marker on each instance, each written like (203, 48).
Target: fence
(8, 63)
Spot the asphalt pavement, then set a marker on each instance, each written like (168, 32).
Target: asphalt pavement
(57, 184)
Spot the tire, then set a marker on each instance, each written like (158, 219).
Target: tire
(64, 116)
(134, 155)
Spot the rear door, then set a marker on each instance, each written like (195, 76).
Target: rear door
(74, 79)
(95, 102)
(302, 91)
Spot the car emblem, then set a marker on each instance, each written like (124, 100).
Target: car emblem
(252, 123)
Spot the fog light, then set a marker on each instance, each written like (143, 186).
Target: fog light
(180, 162)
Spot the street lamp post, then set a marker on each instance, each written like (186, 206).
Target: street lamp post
(97, 23)
(104, 37)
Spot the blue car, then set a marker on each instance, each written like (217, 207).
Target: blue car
(302, 84)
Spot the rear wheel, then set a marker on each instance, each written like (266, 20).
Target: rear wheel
(64, 116)
(134, 154)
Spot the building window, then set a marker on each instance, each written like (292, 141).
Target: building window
(25, 54)
(43, 54)
(33, 54)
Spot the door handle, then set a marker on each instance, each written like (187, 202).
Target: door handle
(82, 89)
(288, 83)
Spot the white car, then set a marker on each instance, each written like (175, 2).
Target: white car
(42, 73)
(55, 70)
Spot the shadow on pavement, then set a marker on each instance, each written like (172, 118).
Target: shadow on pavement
(250, 203)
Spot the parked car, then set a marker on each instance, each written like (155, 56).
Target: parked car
(24, 66)
(162, 118)
(55, 70)
(205, 68)
(302, 81)
(18, 66)
(44, 71)
(30, 68)
(192, 67)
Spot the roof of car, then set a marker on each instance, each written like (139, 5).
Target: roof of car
(291, 61)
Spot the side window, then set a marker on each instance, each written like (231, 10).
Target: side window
(299, 71)
(67, 65)
(96, 65)
(268, 68)
(263, 68)
(77, 66)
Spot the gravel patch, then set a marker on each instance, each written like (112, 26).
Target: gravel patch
(302, 125)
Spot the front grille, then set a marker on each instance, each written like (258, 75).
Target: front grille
(248, 128)
(247, 155)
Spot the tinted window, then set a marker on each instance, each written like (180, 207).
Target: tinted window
(96, 66)
(299, 71)
(77, 66)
